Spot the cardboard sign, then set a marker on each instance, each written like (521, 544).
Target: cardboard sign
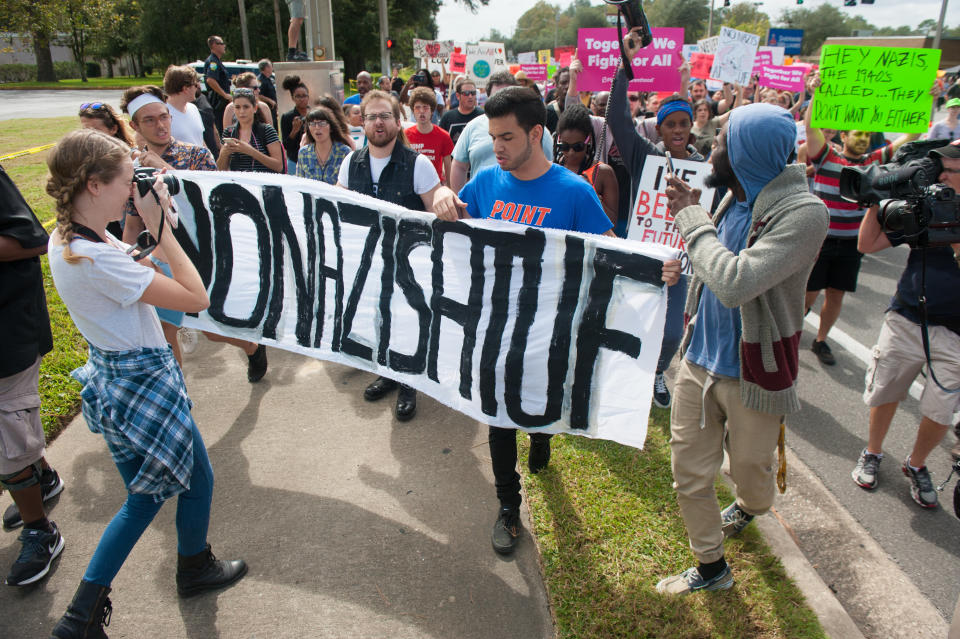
(516, 326)
(700, 64)
(708, 45)
(535, 72)
(458, 63)
(655, 68)
(543, 56)
(783, 78)
(484, 59)
(762, 58)
(651, 220)
(733, 59)
(875, 88)
(435, 50)
(527, 57)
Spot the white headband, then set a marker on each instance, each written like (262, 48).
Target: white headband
(140, 101)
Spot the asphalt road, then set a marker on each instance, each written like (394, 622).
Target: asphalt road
(53, 103)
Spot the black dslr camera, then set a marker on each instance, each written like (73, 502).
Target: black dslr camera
(911, 201)
(145, 176)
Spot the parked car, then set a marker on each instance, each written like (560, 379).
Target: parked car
(234, 68)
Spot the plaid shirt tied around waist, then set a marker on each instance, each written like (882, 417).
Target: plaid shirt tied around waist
(138, 401)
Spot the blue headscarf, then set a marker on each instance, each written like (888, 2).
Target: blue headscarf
(760, 138)
(672, 107)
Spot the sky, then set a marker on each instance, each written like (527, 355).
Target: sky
(456, 23)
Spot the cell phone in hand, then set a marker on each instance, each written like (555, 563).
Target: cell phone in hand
(670, 170)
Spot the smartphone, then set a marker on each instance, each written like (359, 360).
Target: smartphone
(670, 170)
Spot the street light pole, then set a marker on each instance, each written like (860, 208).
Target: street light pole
(384, 28)
(710, 23)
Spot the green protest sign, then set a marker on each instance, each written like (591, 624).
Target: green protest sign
(875, 88)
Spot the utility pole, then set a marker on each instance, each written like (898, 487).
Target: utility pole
(243, 29)
(384, 28)
(936, 45)
(276, 21)
(710, 22)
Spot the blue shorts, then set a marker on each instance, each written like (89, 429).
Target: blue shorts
(165, 314)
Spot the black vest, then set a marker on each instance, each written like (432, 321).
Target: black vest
(396, 180)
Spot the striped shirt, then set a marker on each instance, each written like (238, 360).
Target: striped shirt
(242, 161)
(845, 216)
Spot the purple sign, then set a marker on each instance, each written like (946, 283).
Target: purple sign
(784, 78)
(535, 72)
(655, 68)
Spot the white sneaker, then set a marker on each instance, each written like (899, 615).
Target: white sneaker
(189, 339)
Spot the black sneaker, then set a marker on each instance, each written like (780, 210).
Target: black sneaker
(865, 474)
(506, 530)
(734, 520)
(39, 550)
(921, 486)
(823, 353)
(298, 56)
(661, 394)
(257, 364)
(539, 453)
(50, 486)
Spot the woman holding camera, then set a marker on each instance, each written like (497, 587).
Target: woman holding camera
(133, 390)
(250, 144)
(292, 122)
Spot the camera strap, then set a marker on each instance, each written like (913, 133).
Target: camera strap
(923, 322)
(145, 242)
(86, 232)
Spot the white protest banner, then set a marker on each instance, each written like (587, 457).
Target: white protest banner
(651, 220)
(484, 59)
(775, 52)
(708, 45)
(527, 57)
(432, 50)
(514, 325)
(733, 60)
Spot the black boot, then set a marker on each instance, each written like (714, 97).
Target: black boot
(86, 615)
(203, 571)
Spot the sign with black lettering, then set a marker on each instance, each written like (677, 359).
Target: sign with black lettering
(515, 326)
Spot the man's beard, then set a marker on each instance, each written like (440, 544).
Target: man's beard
(387, 142)
(722, 174)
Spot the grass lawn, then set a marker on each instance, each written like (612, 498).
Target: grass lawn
(604, 515)
(91, 83)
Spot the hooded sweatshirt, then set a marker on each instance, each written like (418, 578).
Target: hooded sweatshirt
(751, 261)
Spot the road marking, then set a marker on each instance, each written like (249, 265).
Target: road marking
(855, 348)
(35, 149)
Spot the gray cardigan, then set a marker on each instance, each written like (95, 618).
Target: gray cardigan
(767, 281)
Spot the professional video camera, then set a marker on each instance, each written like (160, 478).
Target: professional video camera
(911, 201)
(632, 12)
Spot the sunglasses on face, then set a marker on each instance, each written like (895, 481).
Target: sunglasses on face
(576, 147)
(468, 93)
(634, 98)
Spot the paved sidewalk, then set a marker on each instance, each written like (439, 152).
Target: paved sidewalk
(353, 524)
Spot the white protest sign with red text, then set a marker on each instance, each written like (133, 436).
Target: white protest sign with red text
(651, 220)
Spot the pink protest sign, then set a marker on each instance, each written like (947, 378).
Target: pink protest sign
(786, 78)
(700, 64)
(763, 57)
(458, 63)
(535, 72)
(655, 68)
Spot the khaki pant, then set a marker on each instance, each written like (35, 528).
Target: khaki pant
(708, 417)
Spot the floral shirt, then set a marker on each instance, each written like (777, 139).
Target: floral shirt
(188, 157)
(309, 166)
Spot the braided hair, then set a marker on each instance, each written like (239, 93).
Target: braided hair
(79, 156)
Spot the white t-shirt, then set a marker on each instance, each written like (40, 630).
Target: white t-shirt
(103, 296)
(424, 175)
(187, 126)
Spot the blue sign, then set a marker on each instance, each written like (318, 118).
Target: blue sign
(789, 39)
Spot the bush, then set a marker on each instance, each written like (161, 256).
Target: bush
(64, 70)
(93, 70)
(18, 72)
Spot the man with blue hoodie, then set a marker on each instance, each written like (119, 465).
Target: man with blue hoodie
(744, 314)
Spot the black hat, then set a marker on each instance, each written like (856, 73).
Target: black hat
(951, 150)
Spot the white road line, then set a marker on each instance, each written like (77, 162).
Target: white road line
(855, 348)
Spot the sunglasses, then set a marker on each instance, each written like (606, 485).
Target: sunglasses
(243, 91)
(93, 106)
(576, 147)
(634, 98)
(468, 93)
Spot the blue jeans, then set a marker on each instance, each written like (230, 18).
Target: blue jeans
(673, 326)
(126, 527)
(291, 166)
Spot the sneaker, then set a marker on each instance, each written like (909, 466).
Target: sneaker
(690, 581)
(257, 364)
(39, 550)
(50, 486)
(661, 395)
(865, 474)
(189, 339)
(506, 530)
(823, 353)
(298, 56)
(734, 519)
(921, 486)
(539, 453)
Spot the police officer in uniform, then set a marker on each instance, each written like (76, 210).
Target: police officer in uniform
(217, 79)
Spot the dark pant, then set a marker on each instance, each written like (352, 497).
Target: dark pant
(503, 454)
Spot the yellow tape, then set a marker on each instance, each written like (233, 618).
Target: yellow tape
(35, 149)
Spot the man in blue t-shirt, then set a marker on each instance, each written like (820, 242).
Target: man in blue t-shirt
(527, 188)
(899, 354)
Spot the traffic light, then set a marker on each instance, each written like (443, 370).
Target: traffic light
(866, 1)
(849, 3)
(799, 1)
(726, 3)
(389, 43)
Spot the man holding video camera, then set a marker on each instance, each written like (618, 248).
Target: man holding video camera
(899, 354)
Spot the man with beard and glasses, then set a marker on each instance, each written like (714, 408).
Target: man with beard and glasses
(386, 168)
(523, 182)
(744, 313)
(836, 269)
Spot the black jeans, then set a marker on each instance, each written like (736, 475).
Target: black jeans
(503, 454)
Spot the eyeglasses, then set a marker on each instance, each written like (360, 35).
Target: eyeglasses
(468, 93)
(319, 123)
(634, 98)
(93, 106)
(220, 43)
(576, 147)
(373, 117)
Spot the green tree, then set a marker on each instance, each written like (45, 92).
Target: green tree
(119, 34)
(692, 15)
(745, 16)
(818, 24)
(39, 18)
